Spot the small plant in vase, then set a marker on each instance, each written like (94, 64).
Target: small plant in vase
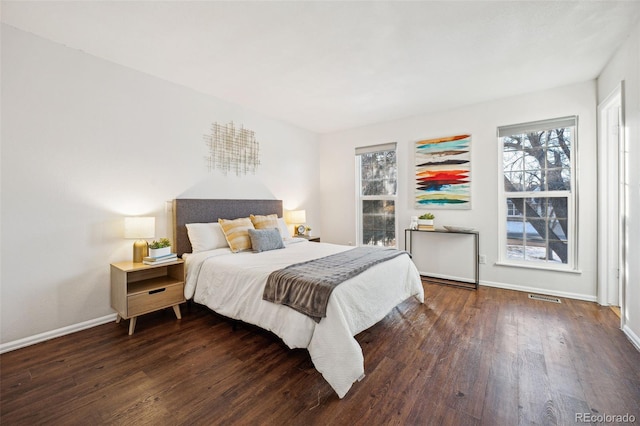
(307, 231)
(425, 221)
(160, 248)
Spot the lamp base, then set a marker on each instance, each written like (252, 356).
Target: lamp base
(140, 250)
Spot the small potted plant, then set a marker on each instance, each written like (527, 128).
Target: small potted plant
(426, 219)
(160, 248)
(307, 231)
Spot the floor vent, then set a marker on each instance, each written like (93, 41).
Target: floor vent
(544, 298)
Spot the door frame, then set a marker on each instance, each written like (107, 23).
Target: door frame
(612, 201)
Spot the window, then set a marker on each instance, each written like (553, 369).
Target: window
(377, 186)
(538, 203)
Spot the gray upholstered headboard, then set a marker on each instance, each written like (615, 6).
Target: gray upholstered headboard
(186, 210)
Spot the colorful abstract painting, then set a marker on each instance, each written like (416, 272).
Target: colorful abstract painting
(443, 173)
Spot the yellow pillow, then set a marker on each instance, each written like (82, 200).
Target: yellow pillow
(265, 222)
(236, 232)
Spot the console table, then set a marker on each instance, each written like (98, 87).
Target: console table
(408, 233)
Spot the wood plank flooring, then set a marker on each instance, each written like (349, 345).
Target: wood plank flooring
(464, 357)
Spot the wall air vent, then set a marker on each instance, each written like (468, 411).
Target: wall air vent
(544, 298)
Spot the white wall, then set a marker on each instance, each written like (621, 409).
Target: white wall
(338, 170)
(86, 142)
(625, 65)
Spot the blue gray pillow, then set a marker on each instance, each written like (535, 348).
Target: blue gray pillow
(265, 239)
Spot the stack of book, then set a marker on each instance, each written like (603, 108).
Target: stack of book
(160, 259)
(426, 228)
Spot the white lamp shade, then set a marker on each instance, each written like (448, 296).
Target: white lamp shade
(139, 227)
(296, 217)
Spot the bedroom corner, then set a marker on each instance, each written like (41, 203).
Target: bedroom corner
(82, 139)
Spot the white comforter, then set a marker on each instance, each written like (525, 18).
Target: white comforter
(232, 285)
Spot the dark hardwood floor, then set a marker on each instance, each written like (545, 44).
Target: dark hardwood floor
(486, 357)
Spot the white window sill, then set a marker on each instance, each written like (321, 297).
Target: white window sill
(539, 267)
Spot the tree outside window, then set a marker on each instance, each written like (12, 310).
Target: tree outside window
(377, 189)
(537, 171)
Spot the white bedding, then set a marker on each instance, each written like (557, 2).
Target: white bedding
(231, 284)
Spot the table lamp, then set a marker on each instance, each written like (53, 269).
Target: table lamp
(297, 218)
(139, 228)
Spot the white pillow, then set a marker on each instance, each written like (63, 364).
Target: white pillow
(206, 236)
(284, 229)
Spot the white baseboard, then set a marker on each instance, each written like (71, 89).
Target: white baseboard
(48, 335)
(540, 291)
(518, 288)
(632, 336)
(447, 277)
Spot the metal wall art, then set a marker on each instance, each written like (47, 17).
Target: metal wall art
(232, 148)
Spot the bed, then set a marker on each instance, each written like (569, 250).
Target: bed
(232, 285)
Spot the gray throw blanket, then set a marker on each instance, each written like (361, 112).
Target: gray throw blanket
(306, 286)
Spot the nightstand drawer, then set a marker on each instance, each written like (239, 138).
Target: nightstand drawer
(152, 300)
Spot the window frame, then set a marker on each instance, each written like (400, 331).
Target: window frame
(571, 195)
(392, 146)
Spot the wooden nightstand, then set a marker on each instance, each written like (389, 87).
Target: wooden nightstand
(137, 289)
(315, 239)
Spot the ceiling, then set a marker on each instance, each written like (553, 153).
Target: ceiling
(332, 65)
